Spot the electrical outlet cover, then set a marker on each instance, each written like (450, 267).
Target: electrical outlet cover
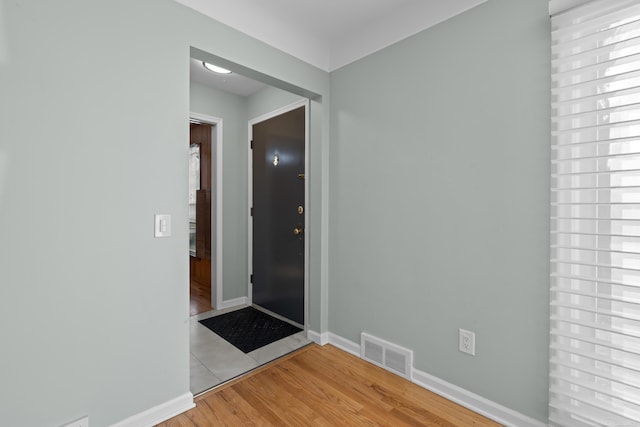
(467, 342)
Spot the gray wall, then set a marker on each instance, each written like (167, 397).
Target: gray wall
(268, 100)
(93, 141)
(439, 200)
(233, 110)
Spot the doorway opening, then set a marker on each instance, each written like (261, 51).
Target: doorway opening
(214, 358)
(200, 191)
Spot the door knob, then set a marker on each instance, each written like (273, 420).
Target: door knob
(298, 231)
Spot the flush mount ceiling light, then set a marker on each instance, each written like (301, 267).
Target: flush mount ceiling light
(215, 68)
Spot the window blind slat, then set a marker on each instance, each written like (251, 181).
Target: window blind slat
(587, 351)
(588, 416)
(612, 195)
(618, 389)
(606, 243)
(628, 331)
(608, 98)
(600, 54)
(596, 295)
(594, 181)
(581, 358)
(613, 31)
(588, 74)
(621, 344)
(598, 133)
(601, 280)
(610, 114)
(615, 373)
(595, 150)
(612, 406)
(597, 165)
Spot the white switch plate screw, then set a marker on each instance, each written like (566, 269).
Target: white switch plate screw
(467, 342)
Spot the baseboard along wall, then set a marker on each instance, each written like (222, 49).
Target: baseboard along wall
(159, 413)
(233, 302)
(459, 395)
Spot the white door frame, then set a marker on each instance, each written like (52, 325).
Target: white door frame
(302, 103)
(216, 229)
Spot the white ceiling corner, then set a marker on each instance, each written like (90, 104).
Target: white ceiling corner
(330, 33)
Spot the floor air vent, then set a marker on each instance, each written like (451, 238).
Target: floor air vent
(389, 356)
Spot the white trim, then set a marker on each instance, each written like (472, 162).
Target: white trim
(344, 344)
(235, 302)
(317, 337)
(300, 103)
(459, 395)
(216, 276)
(476, 403)
(159, 413)
(307, 210)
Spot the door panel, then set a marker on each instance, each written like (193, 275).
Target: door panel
(278, 214)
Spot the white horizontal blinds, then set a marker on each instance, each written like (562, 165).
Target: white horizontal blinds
(595, 224)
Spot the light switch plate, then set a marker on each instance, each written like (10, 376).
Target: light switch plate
(162, 225)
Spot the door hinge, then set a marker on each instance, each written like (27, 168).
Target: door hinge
(251, 144)
(252, 211)
(251, 278)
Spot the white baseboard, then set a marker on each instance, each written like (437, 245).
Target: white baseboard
(233, 302)
(317, 337)
(344, 344)
(160, 413)
(335, 340)
(472, 401)
(476, 403)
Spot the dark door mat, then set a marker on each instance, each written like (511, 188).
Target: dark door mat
(249, 329)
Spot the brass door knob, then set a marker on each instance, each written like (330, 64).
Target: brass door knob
(298, 231)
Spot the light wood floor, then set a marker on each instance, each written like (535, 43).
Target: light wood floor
(200, 298)
(324, 386)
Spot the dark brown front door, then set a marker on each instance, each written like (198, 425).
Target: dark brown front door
(278, 214)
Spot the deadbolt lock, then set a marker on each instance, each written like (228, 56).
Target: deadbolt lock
(300, 210)
(298, 231)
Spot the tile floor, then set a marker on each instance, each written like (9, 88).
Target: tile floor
(214, 360)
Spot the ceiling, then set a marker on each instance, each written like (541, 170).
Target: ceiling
(330, 33)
